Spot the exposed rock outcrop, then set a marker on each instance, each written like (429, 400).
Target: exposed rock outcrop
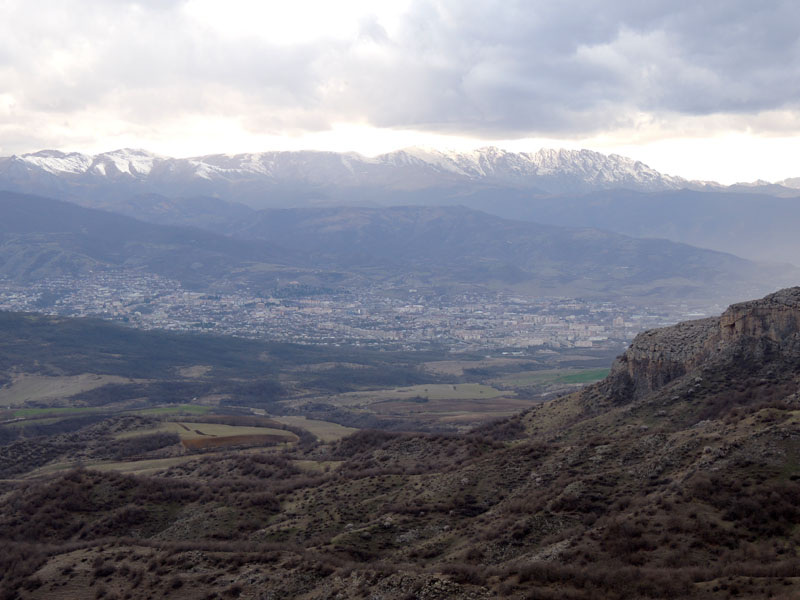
(745, 333)
(776, 318)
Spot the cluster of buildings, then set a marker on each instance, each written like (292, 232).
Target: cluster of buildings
(405, 319)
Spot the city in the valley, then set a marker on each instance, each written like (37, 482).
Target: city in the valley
(391, 318)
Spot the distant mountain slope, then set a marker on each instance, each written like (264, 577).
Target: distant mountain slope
(754, 225)
(204, 212)
(440, 247)
(469, 246)
(41, 237)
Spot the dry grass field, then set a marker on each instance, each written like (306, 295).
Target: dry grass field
(201, 435)
(551, 376)
(195, 371)
(324, 430)
(36, 388)
(203, 443)
(150, 466)
(431, 391)
(461, 410)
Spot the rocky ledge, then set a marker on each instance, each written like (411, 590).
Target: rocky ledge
(754, 331)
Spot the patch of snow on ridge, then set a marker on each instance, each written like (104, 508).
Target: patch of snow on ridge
(430, 156)
(56, 162)
(132, 162)
(252, 163)
(205, 170)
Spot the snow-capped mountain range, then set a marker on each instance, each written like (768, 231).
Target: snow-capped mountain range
(550, 171)
(416, 175)
(562, 188)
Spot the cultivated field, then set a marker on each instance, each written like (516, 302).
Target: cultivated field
(551, 376)
(51, 414)
(54, 412)
(174, 409)
(457, 367)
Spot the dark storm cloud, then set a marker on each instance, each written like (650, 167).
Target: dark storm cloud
(492, 68)
(572, 66)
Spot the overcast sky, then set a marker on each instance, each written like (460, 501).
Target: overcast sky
(702, 89)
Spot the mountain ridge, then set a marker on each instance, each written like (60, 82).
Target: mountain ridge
(491, 163)
(547, 169)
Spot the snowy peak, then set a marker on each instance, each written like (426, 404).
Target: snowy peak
(601, 169)
(125, 162)
(585, 167)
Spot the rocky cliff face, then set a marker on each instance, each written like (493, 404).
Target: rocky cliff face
(775, 318)
(754, 332)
